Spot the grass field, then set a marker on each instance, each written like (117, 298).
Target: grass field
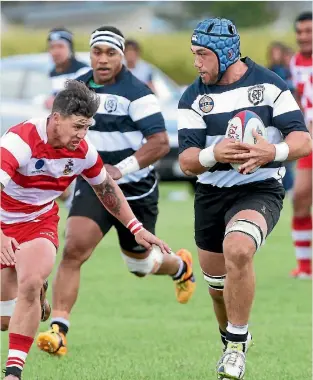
(125, 328)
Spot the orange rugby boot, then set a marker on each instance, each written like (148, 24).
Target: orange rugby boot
(186, 285)
(52, 341)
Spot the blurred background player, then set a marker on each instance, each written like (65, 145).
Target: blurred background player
(278, 56)
(301, 70)
(141, 69)
(29, 217)
(129, 134)
(234, 212)
(66, 66)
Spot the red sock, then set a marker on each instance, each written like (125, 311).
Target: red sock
(19, 346)
(302, 238)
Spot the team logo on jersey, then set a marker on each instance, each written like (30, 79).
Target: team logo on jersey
(68, 167)
(206, 104)
(110, 104)
(256, 94)
(38, 166)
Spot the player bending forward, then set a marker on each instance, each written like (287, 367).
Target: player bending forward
(234, 213)
(39, 159)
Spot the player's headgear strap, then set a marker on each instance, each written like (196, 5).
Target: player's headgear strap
(220, 36)
(100, 37)
(61, 35)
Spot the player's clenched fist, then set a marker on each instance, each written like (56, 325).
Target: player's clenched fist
(8, 247)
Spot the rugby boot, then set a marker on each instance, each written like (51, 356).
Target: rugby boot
(232, 364)
(52, 341)
(302, 275)
(248, 344)
(186, 285)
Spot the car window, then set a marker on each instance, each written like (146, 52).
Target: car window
(37, 83)
(165, 89)
(11, 83)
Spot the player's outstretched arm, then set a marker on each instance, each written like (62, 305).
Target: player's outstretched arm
(113, 199)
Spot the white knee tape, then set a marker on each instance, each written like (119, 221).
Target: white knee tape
(215, 282)
(149, 265)
(7, 308)
(249, 228)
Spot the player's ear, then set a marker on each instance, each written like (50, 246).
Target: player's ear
(56, 117)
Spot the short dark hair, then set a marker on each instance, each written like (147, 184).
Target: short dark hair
(76, 99)
(133, 45)
(305, 16)
(109, 29)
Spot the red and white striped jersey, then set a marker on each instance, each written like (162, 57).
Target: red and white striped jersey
(308, 99)
(34, 173)
(301, 69)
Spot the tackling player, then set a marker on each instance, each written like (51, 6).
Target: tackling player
(129, 134)
(39, 159)
(301, 70)
(234, 213)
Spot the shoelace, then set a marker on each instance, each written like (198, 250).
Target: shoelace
(233, 357)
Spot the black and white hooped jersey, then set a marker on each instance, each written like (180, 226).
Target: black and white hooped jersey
(204, 112)
(128, 113)
(76, 69)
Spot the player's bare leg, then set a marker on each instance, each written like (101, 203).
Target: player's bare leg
(35, 261)
(177, 265)
(213, 268)
(214, 271)
(239, 248)
(302, 222)
(82, 236)
(8, 296)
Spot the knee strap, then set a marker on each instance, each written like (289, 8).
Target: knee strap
(149, 265)
(249, 228)
(215, 282)
(7, 308)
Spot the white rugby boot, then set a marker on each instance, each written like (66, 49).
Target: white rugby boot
(232, 364)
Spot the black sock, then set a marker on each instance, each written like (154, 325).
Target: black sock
(223, 337)
(62, 327)
(236, 338)
(15, 371)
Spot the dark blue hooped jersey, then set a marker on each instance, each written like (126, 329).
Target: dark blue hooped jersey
(128, 113)
(204, 112)
(76, 69)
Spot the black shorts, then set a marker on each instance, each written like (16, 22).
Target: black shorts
(86, 203)
(214, 208)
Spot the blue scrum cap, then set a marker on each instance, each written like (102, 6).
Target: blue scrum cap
(220, 36)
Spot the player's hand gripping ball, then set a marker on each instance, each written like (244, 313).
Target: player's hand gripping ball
(243, 127)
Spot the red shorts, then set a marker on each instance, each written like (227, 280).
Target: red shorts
(305, 162)
(46, 226)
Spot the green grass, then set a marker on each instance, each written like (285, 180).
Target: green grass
(125, 328)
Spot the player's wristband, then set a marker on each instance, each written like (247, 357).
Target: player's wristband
(128, 165)
(134, 226)
(206, 157)
(282, 151)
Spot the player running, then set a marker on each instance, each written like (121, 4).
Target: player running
(301, 70)
(39, 159)
(234, 213)
(130, 135)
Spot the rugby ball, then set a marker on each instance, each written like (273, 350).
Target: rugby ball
(240, 128)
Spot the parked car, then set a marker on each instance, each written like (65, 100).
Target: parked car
(25, 86)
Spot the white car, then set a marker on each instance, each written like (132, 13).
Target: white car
(25, 85)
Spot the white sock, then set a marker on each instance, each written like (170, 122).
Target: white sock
(238, 330)
(61, 320)
(180, 269)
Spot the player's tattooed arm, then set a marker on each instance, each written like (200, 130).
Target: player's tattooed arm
(113, 199)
